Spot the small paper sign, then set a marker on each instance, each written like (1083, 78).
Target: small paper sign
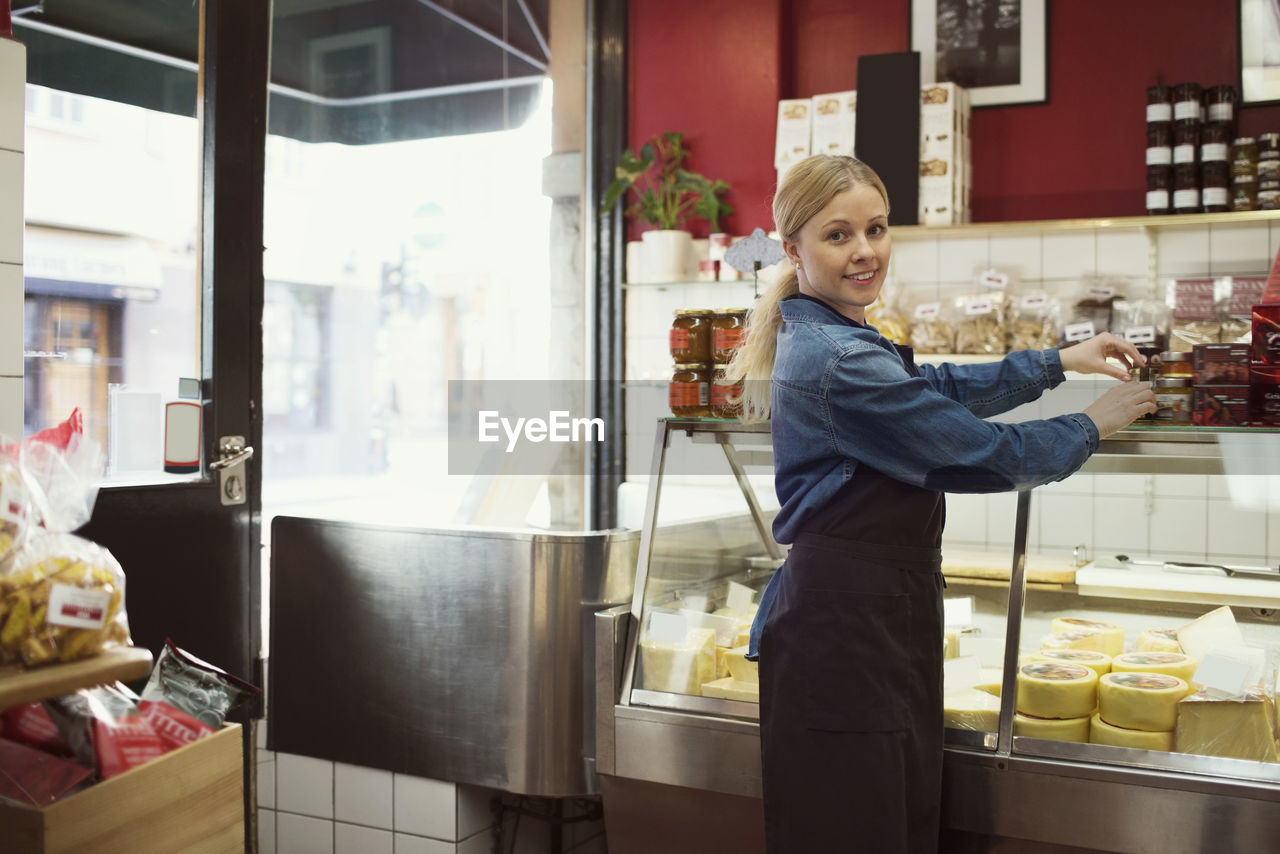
(1032, 301)
(994, 279)
(695, 603)
(958, 611)
(726, 628)
(1078, 331)
(1102, 293)
(666, 627)
(77, 607)
(1140, 334)
(977, 306)
(963, 672)
(1224, 672)
(926, 311)
(740, 597)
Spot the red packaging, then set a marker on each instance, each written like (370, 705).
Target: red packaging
(126, 743)
(105, 729)
(1220, 406)
(1264, 396)
(175, 727)
(1220, 365)
(36, 778)
(31, 725)
(1266, 335)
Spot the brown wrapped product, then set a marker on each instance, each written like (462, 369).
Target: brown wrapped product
(1033, 323)
(980, 324)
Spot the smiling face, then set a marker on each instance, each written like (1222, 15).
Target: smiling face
(841, 254)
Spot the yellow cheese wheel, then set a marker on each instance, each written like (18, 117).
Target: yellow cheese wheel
(1169, 663)
(1110, 637)
(1146, 701)
(1098, 662)
(1048, 689)
(731, 689)
(1055, 729)
(1101, 732)
(971, 709)
(1158, 640)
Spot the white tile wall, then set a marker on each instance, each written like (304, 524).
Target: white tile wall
(426, 807)
(1069, 254)
(1122, 253)
(13, 78)
(266, 831)
(354, 839)
(1240, 249)
(362, 796)
(300, 834)
(11, 311)
(11, 210)
(304, 785)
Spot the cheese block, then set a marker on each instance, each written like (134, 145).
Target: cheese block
(1216, 628)
(992, 681)
(722, 662)
(950, 644)
(1098, 662)
(681, 668)
(1111, 636)
(1048, 689)
(1158, 640)
(1101, 732)
(1238, 729)
(1170, 663)
(732, 689)
(1054, 729)
(971, 709)
(1146, 701)
(1080, 639)
(740, 668)
(744, 636)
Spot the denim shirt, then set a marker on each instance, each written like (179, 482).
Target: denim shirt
(841, 395)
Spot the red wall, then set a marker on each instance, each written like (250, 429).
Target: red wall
(715, 70)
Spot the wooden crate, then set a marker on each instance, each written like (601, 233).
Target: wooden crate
(189, 800)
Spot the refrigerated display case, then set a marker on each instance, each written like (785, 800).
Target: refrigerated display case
(677, 727)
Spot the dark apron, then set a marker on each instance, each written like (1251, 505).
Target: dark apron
(851, 677)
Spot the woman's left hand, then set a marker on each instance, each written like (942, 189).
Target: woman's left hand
(1090, 357)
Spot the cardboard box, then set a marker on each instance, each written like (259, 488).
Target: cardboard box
(1220, 406)
(835, 122)
(1220, 365)
(190, 800)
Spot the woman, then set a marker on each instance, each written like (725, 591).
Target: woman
(849, 631)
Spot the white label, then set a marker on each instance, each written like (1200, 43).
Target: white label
(1213, 151)
(958, 611)
(77, 607)
(994, 279)
(1033, 301)
(1214, 195)
(694, 603)
(1186, 198)
(726, 628)
(666, 627)
(1226, 672)
(1184, 154)
(977, 306)
(740, 597)
(1157, 200)
(1220, 112)
(1161, 155)
(926, 311)
(1186, 110)
(1140, 334)
(1078, 331)
(1160, 112)
(1102, 292)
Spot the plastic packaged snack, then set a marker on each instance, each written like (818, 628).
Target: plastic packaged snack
(1033, 322)
(34, 778)
(15, 509)
(979, 324)
(888, 321)
(198, 688)
(1141, 322)
(61, 599)
(1090, 313)
(1193, 303)
(105, 729)
(929, 330)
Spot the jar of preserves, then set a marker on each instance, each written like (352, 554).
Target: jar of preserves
(1186, 101)
(1244, 196)
(1269, 146)
(1175, 364)
(690, 335)
(689, 392)
(1186, 141)
(726, 397)
(1268, 200)
(1215, 142)
(1214, 187)
(1220, 103)
(1173, 400)
(1159, 144)
(1159, 187)
(728, 332)
(1159, 104)
(1186, 188)
(1244, 157)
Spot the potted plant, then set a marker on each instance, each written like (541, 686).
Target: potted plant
(667, 196)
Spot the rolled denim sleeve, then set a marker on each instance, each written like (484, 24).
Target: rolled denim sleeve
(993, 388)
(929, 430)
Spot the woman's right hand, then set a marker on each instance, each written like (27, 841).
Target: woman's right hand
(1120, 406)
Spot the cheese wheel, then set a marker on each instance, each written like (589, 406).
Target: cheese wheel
(1054, 729)
(971, 709)
(1158, 640)
(1101, 732)
(1098, 662)
(1169, 663)
(731, 689)
(1078, 639)
(1048, 689)
(1110, 638)
(1146, 701)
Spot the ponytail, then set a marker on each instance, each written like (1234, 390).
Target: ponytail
(753, 362)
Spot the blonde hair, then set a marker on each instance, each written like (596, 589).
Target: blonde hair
(808, 187)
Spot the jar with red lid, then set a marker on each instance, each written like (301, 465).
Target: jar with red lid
(1159, 104)
(1215, 194)
(690, 336)
(1159, 144)
(1187, 101)
(728, 333)
(1186, 141)
(689, 392)
(1220, 103)
(1186, 188)
(1215, 142)
(1159, 186)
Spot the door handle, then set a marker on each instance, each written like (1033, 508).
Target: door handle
(232, 455)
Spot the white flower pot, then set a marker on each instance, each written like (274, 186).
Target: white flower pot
(666, 255)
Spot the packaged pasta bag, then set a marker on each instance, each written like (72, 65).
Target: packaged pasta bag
(1033, 322)
(1089, 310)
(63, 468)
(1193, 304)
(1143, 323)
(929, 330)
(979, 324)
(15, 508)
(885, 316)
(61, 599)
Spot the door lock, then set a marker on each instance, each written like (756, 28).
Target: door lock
(232, 455)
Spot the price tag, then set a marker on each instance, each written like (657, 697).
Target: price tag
(994, 279)
(1102, 293)
(1078, 331)
(1140, 334)
(1229, 671)
(1033, 301)
(77, 607)
(958, 611)
(740, 597)
(963, 672)
(927, 311)
(666, 627)
(978, 306)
